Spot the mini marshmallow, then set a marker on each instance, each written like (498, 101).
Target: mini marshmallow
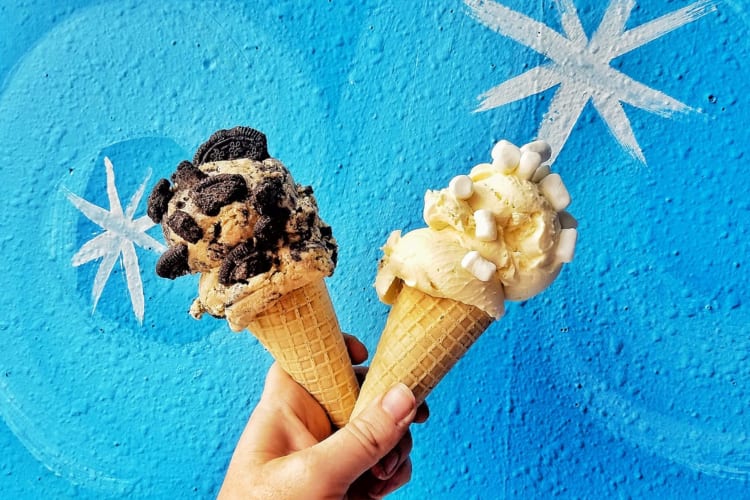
(566, 245)
(499, 145)
(529, 163)
(462, 187)
(486, 228)
(481, 268)
(541, 147)
(505, 156)
(554, 190)
(540, 173)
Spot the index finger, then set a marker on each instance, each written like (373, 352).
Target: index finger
(357, 350)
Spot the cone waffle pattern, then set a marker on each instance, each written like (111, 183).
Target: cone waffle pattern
(302, 333)
(423, 338)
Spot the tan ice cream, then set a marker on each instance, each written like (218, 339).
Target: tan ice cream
(252, 233)
(498, 233)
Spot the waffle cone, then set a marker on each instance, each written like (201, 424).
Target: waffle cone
(423, 338)
(302, 333)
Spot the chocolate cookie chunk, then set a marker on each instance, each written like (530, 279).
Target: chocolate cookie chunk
(270, 229)
(173, 263)
(158, 200)
(267, 195)
(242, 263)
(187, 175)
(185, 226)
(327, 234)
(218, 190)
(238, 142)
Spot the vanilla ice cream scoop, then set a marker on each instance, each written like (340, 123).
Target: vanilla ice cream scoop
(499, 233)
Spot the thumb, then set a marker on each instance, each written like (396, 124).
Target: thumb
(361, 443)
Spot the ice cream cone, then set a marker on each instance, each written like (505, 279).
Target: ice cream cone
(236, 216)
(423, 338)
(302, 333)
(499, 233)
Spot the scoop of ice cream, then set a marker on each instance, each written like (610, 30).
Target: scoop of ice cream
(246, 226)
(498, 233)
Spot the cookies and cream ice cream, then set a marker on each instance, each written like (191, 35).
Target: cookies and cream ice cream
(236, 216)
(245, 225)
(499, 233)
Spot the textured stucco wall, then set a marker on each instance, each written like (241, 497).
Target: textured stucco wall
(629, 377)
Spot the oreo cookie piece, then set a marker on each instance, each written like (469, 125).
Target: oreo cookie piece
(270, 229)
(238, 142)
(185, 226)
(173, 263)
(267, 195)
(334, 253)
(218, 190)
(187, 175)
(242, 263)
(158, 200)
(326, 232)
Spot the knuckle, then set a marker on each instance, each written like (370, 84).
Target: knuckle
(366, 434)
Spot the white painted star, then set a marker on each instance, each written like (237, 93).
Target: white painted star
(581, 67)
(120, 234)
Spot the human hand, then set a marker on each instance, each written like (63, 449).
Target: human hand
(289, 450)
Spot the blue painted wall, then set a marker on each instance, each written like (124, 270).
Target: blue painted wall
(629, 377)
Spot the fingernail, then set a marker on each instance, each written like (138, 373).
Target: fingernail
(399, 402)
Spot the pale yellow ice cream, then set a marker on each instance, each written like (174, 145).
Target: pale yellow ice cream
(500, 233)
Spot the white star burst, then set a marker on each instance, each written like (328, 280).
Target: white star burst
(581, 67)
(120, 234)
